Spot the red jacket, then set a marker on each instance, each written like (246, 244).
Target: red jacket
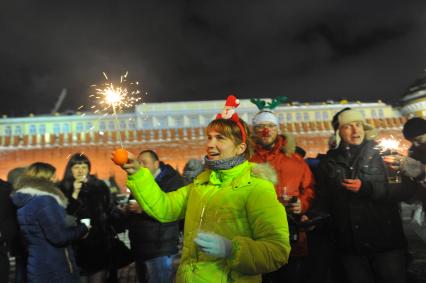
(292, 171)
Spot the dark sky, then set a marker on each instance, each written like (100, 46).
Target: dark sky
(309, 50)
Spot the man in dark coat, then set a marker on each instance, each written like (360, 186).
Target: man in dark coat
(8, 228)
(155, 244)
(364, 205)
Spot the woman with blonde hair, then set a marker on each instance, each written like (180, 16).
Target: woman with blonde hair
(43, 222)
(235, 228)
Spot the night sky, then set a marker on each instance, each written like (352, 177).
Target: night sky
(201, 50)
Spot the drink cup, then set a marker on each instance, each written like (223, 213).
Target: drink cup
(86, 221)
(394, 175)
(282, 195)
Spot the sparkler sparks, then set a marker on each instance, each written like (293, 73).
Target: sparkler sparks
(111, 97)
(389, 145)
(115, 96)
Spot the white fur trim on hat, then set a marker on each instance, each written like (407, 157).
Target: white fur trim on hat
(265, 116)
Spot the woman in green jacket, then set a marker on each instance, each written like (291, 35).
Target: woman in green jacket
(235, 228)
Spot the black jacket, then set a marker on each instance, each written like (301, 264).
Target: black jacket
(9, 231)
(92, 253)
(368, 221)
(148, 237)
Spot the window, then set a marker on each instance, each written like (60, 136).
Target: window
(373, 113)
(56, 129)
(42, 129)
(289, 117)
(179, 122)
(194, 121)
(317, 115)
(111, 125)
(298, 116)
(325, 116)
(102, 126)
(122, 125)
(132, 125)
(7, 131)
(305, 116)
(33, 130)
(89, 126)
(66, 128)
(79, 127)
(18, 130)
(381, 113)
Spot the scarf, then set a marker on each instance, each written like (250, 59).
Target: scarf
(224, 164)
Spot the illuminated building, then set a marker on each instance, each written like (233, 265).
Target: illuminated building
(174, 129)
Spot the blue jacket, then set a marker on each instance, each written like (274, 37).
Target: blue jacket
(42, 219)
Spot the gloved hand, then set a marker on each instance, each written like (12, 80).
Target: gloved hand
(214, 244)
(353, 185)
(411, 167)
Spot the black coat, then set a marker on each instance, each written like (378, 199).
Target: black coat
(9, 231)
(94, 252)
(368, 221)
(148, 237)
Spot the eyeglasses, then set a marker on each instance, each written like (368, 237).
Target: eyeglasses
(265, 126)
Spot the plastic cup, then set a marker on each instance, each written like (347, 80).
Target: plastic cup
(85, 221)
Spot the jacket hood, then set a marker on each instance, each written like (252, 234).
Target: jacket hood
(27, 187)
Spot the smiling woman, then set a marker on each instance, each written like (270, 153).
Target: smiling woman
(235, 228)
(225, 140)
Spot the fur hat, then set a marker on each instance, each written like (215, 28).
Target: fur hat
(414, 127)
(348, 115)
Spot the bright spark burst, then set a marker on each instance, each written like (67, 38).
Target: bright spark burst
(115, 96)
(389, 144)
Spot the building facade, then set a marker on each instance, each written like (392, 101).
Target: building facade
(174, 129)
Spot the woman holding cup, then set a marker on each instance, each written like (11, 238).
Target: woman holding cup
(235, 228)
(89, 201)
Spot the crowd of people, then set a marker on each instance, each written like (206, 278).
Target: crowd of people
(252, 210)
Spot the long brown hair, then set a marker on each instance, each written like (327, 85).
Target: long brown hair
(230, 129)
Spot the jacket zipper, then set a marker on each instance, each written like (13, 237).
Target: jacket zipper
(67, 256)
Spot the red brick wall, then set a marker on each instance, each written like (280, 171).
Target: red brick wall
(175, 152)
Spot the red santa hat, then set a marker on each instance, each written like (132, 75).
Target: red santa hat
(232, 101)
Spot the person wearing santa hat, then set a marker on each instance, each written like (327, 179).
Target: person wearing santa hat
(235, 228)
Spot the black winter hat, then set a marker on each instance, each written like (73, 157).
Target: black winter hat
(414, 127)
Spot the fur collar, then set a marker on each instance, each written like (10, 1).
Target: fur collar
(289, 146)
(40, 187)
(265, 171)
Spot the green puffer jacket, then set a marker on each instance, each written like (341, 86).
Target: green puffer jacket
(233, 203)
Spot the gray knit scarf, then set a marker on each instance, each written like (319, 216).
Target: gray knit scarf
(224, 164)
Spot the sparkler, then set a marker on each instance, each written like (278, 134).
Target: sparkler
(116, 97)
(391, 145)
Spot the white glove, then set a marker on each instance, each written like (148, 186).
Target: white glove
(214, 244)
